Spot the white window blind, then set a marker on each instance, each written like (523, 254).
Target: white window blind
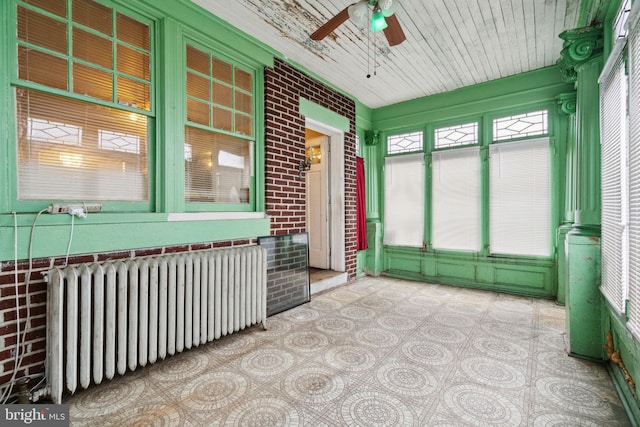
(456, 199)
(404, 200)
(634, 180)
(73, 150)
(520, 221)
(613, 116)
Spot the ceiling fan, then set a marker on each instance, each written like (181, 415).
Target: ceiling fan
(383, 18)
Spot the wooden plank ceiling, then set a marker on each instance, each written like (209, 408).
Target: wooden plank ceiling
(450, 44)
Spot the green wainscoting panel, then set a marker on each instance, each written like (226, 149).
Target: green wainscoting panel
(531, 277)
(405, 260)
(520, 277)
(455, 270)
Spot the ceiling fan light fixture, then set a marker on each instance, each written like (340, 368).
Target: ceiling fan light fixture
(378, 22)
(359, 12)
(388, 7)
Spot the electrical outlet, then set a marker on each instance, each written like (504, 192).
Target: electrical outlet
(66, 208)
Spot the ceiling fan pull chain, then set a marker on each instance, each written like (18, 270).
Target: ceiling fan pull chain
(368, 53)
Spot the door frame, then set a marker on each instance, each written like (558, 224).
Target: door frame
(337, 260)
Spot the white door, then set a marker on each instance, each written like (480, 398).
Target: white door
(317, 202)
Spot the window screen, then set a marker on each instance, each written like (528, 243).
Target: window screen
(456, 199)
(404, 200)
(519, 198)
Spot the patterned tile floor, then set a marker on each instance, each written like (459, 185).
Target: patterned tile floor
(377, 352)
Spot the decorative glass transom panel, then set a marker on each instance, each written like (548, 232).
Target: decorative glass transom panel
(404, 143)
(521, 125)
(452, 136)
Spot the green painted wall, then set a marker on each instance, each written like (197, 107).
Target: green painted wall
(122, 226)
(540, 89)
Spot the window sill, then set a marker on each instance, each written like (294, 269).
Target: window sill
(213, 216)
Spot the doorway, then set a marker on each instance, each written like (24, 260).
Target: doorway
(318, 219)
(325, 212)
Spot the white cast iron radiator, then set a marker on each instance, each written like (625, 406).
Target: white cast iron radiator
(105, 318)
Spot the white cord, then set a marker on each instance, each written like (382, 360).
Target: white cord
(7, 393)
(27, 281)
(66, 260)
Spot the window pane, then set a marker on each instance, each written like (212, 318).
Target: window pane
(134, 94)
(93, 15)
(614, 146)
(57, 7)
(131, 31)
(133, 62)
(521, 125)
(244, 102)
(92, 82)
(222, 119)
(39, 67)
(244, 124)
(73, 150)
(92, 48)
(520, 198)
(456, 199)
(222, 95)
(634, 181)
(198, 112)
(217, 167)
(197, 60)
(197, 86)
(221, 70)
(42, 31)
(404, 143)
(243, 80)
(404, 200)
(452, 136)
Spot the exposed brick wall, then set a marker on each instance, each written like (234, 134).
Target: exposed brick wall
(284, 140)
(285, 197)
(32, 363)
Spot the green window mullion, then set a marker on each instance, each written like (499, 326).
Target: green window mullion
(114, 52)
(70, 59)
(46, 13)
(211, 83)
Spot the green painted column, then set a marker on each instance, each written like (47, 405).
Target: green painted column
(373, 159)
(582, 62)
(567, 110)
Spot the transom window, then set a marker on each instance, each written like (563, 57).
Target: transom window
(521, 125)
(453, 136)
(404, 143)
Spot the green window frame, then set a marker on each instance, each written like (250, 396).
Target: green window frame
(83, 69)
(220, 131)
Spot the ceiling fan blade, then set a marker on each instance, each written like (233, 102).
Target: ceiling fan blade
(393, 32)
(331, 25)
